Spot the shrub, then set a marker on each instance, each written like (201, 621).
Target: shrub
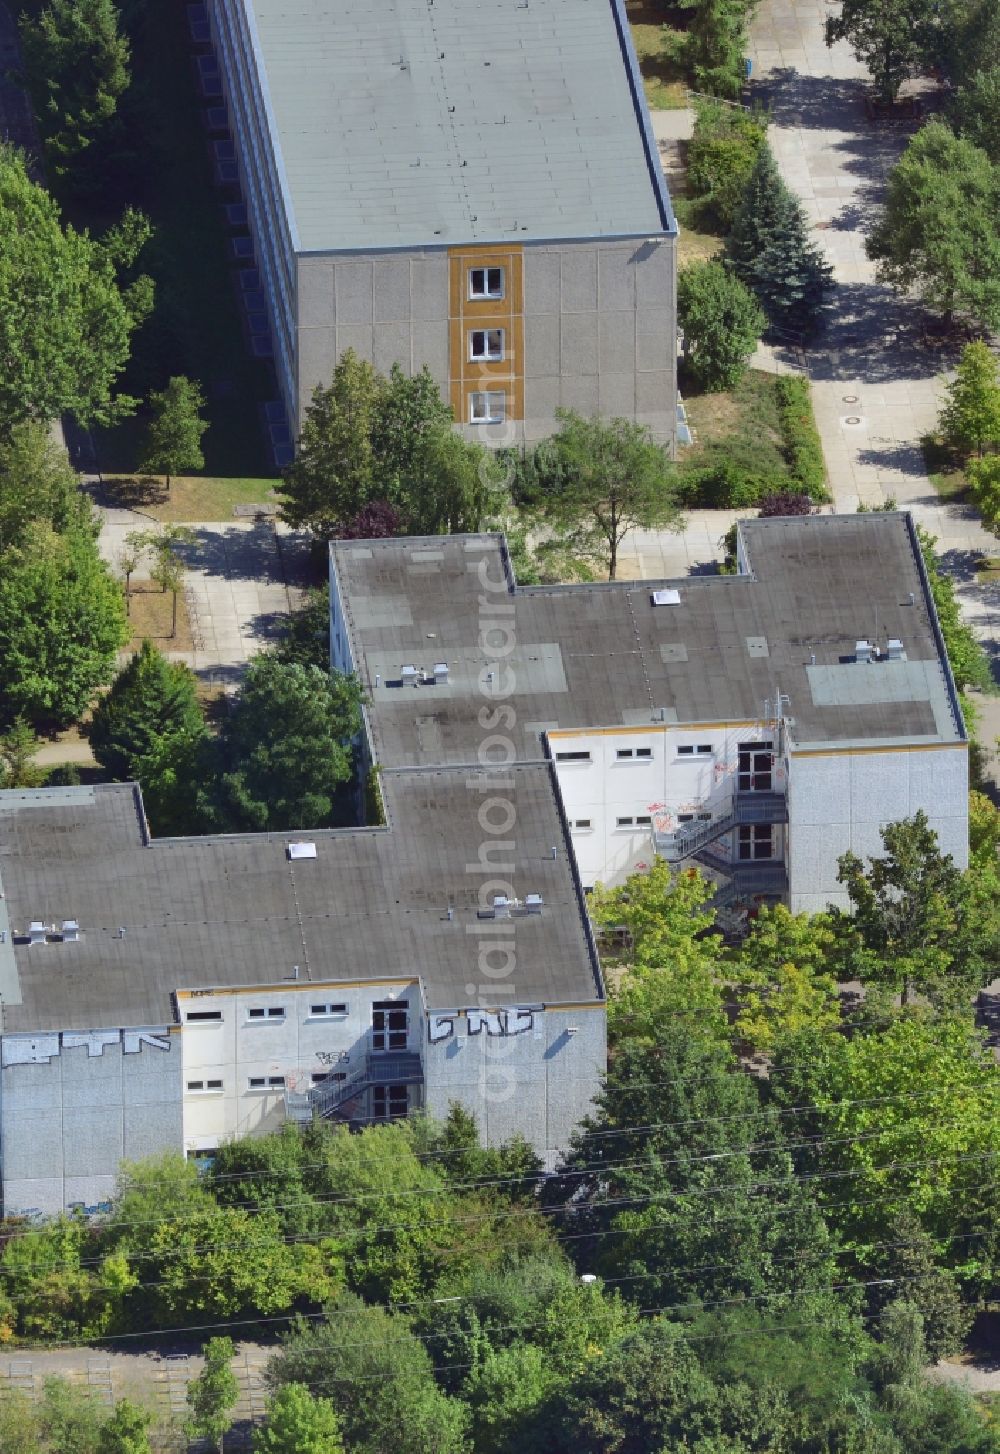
(721, 482)
(803, 447)
(722, 323)
(720, 158)
(785, 502)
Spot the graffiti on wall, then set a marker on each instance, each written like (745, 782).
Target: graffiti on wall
(517, 1020)
(39, 1049)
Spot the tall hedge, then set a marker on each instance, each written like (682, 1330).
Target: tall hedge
(802, 445)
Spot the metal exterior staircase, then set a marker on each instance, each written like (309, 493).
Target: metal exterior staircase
(395, 1067)
(744, 808)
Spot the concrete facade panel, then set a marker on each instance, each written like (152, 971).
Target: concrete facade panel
(617, 344)
(430, 347)
(429, 289)
(654, 276)
(542, 281)
(391, 285)
(392, 346)
(316, 293)
(656, 400)
(541, 346)
(358, 337)
(92, 1138)
(616, 395)
(617, 268)
(317, 359)
(579, 393)
(355, 283)
(880, 787)
(655, 340)
(579, 280)
(579, 344)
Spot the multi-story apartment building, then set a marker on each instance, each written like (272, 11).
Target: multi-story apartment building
(530, 742)
(470, 185)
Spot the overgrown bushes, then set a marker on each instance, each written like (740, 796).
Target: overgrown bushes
(720, 158)
(803, 447)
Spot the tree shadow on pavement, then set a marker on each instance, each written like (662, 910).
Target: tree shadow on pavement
(816, 102)
(877, 336)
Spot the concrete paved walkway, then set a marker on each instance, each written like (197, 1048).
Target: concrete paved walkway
(243, 578)
(877, 383)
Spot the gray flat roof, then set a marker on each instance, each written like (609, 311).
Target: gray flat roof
(405, 123)
(601, 656)
(234, 910)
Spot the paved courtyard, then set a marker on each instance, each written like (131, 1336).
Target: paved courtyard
(243, 577)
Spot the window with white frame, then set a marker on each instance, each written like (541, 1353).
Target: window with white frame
(204, 1087)
(572, 757)
(644, 820)
(487, 406)
(260, 1013)
(203, 1017)
(266, 1082)
(486, 345)
(327, 1010)
(582, 823)
(624, 822)
(625, 754)
(691, 749)
(486, 283)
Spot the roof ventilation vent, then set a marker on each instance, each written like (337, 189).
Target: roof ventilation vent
(70, 931)
(301, 850)
(36, 932)
(862, 651)
(409, 675)
(440, 672)
(533, 903)
(665, 598)
(501, 906)
(894, 649)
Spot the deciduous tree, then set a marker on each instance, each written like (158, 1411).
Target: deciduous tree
(173, 435)
(66, 321)
(127, 1430)
(921, 923)
(212, 1395)
(976, 111)
(18, 749)
(37, 484)
(62, 621)
(722, 323)
(939, 233)
(970, 418)
(984, 486)
(378, 1376)
(610, 477)
(297, 1423)
(149, 699)
(893, 38)
(286, 745)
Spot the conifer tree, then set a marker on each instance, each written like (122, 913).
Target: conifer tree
(150, 699)
(769, 250)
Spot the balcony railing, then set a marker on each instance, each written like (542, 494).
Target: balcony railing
(403, 1067)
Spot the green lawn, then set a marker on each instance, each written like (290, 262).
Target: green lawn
(190, 497)
(665, 87)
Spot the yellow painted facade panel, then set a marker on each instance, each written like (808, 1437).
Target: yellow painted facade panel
(468, 375)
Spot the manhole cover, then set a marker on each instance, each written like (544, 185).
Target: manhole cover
(853, 419)
(850, 398)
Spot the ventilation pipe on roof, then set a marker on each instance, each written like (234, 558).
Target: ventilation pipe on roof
(862, 651)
